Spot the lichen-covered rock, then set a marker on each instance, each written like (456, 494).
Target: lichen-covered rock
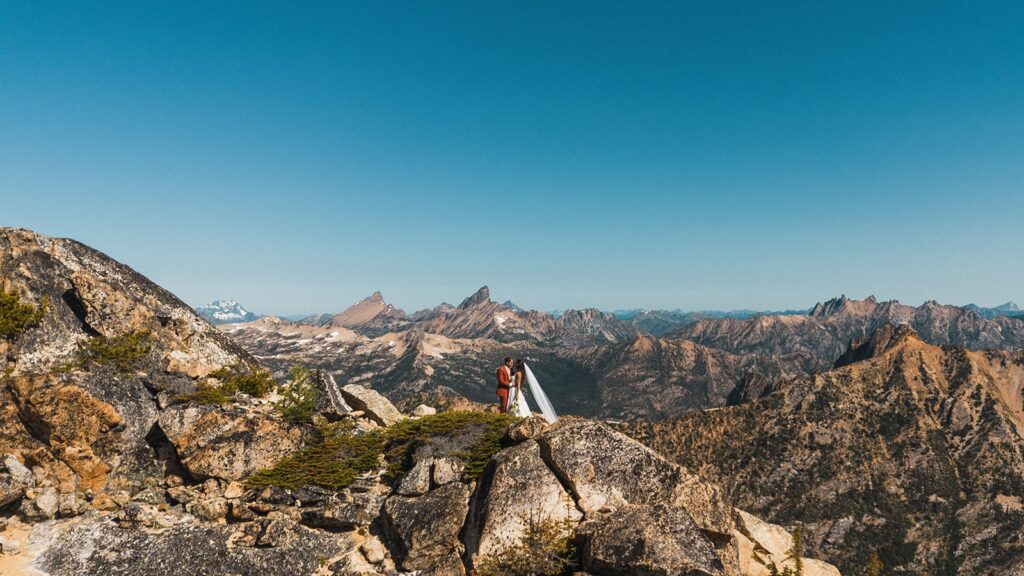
(427, 528)
(10, 490)
(644, 540)
(447, 470)
(71, 421)
(227, 443)
(517, 487)
(372, 404)
(417, 480)
(373, 550)
(43, 505)
(330, 402)
(18, 471)
(527, 428)
(90, 545)
(424, 410)
(606, 469)
(210, 509)
(338, 516)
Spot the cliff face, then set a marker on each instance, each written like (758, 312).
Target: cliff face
(911, 450)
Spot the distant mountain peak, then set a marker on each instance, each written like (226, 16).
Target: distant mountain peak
(226, 312)
(481, 296)
(371, 316)
(844, 305)
(830, 307)
(1007, 309)
(512, 306)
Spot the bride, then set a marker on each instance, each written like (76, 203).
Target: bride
(517, 401)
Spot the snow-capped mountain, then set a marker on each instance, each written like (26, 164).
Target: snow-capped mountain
(226, 312)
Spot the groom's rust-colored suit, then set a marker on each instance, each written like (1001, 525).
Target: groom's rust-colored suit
(504, 381)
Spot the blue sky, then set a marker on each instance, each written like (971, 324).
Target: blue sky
(297, 157)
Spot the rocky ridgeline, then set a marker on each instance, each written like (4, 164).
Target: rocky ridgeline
(136, 439)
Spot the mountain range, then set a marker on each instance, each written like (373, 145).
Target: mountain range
(138, 439)
(906, 449)
(881, 428)
(594, 363)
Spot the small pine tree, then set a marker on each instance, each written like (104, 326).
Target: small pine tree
(16, 317)
(299, 396)
(796, 554)
(875, 566)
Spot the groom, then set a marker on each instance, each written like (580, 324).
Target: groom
(504, 383)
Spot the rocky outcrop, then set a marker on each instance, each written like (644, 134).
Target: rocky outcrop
(647, 539)
(82, 387)
(372, 403)
(633, 512)
(605, 469)
(427, 529)
(227, 443)
(517, 488)
(762, 545)
(330, 401)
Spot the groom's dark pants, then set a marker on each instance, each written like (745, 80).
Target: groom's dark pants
(502, 399)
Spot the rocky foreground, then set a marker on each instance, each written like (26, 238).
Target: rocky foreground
(137, 439)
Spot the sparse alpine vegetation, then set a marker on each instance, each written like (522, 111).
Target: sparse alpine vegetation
(547, 548)
(16, 317)
(342, 455)
(255, 382)
(122, 353)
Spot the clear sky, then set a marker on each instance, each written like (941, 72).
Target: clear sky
(297, 157)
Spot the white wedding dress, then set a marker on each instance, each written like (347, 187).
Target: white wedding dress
(520, 407)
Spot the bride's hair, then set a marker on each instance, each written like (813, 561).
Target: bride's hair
(520, 365)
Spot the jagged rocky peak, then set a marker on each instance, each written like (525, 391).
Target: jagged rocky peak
(844, 305)
(371, 316)
(885, 338)
(479, 298)
(512, 306)
(1007, 309)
